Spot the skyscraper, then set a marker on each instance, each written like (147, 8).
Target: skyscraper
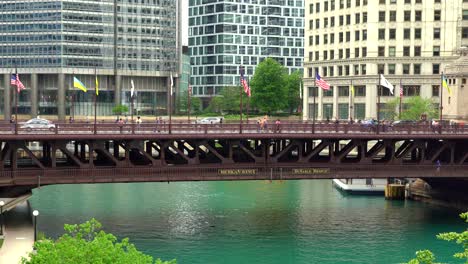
(50, 42)
(224, 35)
(352, 42)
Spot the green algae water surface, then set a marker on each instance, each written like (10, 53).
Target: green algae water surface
(297, 222)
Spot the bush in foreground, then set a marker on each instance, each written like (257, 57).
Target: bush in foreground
(87, 243)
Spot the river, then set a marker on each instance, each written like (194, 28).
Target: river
(262, 222)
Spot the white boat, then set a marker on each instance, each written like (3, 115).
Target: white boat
(361, 186)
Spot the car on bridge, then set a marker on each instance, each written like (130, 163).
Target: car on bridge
(37, 124)
(210, 120)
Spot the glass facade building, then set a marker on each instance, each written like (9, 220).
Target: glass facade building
(226, 34)
(50, 42)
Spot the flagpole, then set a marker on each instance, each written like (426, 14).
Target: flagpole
(170, 106)
(189, 91)
(248, 103)
(132, 96)
(379, 89)
(95, 99)
(441, 92)
(313, 109)
(16, 101)
(401, 97)
(241, 69)
(351, 100)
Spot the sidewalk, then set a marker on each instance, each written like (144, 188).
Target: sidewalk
(18, 234)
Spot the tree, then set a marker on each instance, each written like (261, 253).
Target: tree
(427, 257)
(86, 243)
(414, 107)
(269, 92)
(228, 100)
(120, 109)
(195, 104)
(293, 81)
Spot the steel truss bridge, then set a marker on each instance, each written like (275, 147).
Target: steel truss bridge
(107, 152)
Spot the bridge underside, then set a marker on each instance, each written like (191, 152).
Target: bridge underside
(28, 164)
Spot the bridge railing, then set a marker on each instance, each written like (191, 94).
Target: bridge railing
(230, 128)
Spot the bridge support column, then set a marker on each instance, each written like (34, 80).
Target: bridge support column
(6, 97)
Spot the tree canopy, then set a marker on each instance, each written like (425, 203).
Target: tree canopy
(427, 257)
(87, 243)
(414, 107)
(195, 104)
(293, 82)
(269, 91)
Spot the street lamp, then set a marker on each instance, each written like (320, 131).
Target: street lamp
(35, 214)
(2, 203)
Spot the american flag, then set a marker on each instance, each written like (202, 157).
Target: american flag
(244, 82)
(15, 80)
(320, 82)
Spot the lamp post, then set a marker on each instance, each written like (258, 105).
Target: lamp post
(35, 214)
(2, 203)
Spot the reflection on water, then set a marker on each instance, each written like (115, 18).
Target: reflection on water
(252, 221)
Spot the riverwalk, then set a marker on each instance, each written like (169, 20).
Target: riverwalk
(18, 234)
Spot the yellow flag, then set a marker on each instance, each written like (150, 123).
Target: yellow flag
(445, 85)
(352, 90)
(97, 86)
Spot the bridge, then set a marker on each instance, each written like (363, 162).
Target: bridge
(73, 153)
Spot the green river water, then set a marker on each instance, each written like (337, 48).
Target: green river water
(259, 222)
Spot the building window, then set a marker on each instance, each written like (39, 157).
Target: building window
(416, 69)
(391, 33)
(417, 33)
(343, 91)
(364, 17)
(383, 91)
(364, 34)
(381, 51)
(435, 90)
(436, 33)
(406, 33)
(343, 111)
(417, 51)
(381, 68)
(313, 109)
(356, 52)
(356, 69)
(359, 111)
(381, 33)
(391, 51)
(417, 15)
(328, 93)
(363, 69)
(381, 16)
(357, 18)
(406, 51)
(437, 15)
(465, 32)
(328, 111)
(391, 68)
(406, 69)
(435, 68)
(357, 34)
(313, 91)
(465, 14)
(360, 91)
(364, 52)
(392, 16)
(436, 51)
(411, 90)
(407, 16)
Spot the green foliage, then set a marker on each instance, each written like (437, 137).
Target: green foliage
(120, 109)
(293, 82)
(195, 104)
(427, 257)
(413, 108)
(269, 91)
(228, 101)
(87, 243)
(423, 257)
(459, 238)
